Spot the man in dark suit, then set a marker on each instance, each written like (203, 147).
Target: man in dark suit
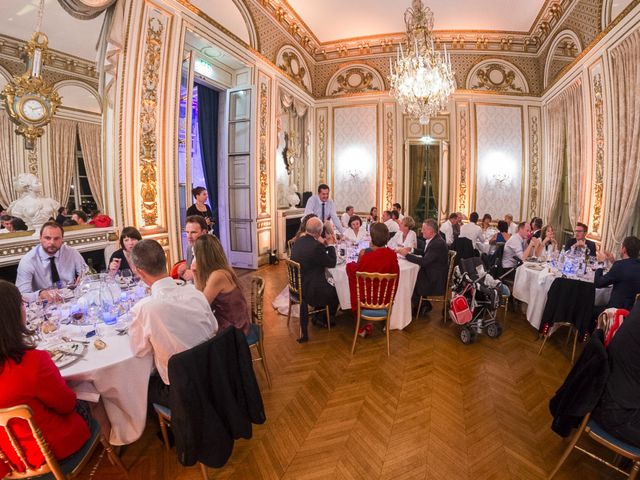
(580, 240)
(624, 274)
(433, 261)
(536, 227)
(315, 253)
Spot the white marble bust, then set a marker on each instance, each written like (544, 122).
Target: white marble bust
(292, 196)
(31, 206)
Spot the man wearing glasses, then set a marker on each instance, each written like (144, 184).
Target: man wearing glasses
(580, 240)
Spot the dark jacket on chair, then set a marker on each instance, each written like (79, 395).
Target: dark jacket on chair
(625, 278)
(313, 258)
(434, 262)
(214, 398)
(583, 387)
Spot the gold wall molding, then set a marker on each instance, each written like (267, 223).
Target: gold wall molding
(497, 76)
(389, 151)
(354, 79)
(291, 62)
(148, 122)
(263, 169)
(463, 159)
(32, 160)
(321, 118)
(534, 159)
(598, 185)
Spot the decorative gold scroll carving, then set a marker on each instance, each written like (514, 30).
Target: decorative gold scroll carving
(148, 140)
(264, 111)
(599, 183)
(322, 149)
(355, 80)
(497, 78)
(462, 188)
(32, 159)
(390, 139)
(292, 65)
(535, 169)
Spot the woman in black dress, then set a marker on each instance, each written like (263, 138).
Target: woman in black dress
(200, 207)
(121, 259)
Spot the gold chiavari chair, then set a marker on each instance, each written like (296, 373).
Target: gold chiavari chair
(294, 276)
(447, 292)
(375, 293)
(290, 246)
(257, 296)
(70, 468)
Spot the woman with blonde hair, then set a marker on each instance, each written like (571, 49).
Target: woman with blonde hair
(405, 237)
(216, 279)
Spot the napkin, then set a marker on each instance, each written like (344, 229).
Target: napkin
(86, 391)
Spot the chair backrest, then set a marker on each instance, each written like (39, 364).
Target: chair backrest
(637, 297)
(290, 243)
(294, 276)
(257, 295)
(451, 266)
(108, 251)
(174, 269)
(375, 290)
(23, 412)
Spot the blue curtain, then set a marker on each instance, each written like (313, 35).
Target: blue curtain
(208, 100)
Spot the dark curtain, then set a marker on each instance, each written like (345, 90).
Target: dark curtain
(208, 131)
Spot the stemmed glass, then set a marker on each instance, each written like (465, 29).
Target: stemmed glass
(126, 277)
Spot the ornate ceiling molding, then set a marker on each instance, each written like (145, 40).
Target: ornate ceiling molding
(565, 47)
(497, 76)
(290, 61)
(355, 78)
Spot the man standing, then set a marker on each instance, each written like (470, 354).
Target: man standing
(323, 207)
(174, 318)
(348, 213)
(433, 261)
(516, 247)
(314, 254)
(49, 264)
(398, 208)
(624, 274)
(580, 240)
(447, 228)
(195, 227)
(390, 221)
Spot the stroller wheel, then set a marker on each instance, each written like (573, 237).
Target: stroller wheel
(494, 330)
(467, 336)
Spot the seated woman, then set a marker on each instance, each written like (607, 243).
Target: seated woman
(503, 233)
(378, 258)
(121, 258)
(373, 215)
(217, 280)
(405, 237)
(355, 233)
(548, 244)
(486, 222)
(29, 376)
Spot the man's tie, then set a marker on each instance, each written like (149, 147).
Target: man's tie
(55, 276)
(322, 218)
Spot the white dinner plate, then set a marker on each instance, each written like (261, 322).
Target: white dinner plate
(66, 353)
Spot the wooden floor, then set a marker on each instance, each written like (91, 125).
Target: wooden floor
(436, 409)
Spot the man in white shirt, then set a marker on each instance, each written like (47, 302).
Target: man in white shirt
(50, 265)
(390, 221)
(513, 227)
(472, 230)
(174, 318)
(323, 207)
(348, 213)
(516, 247)
(447, 228)
(398, 208)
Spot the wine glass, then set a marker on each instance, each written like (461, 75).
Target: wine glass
(126, 277)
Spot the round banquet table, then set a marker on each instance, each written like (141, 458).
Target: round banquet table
(118, 377)
(401, 310)
(532, 283)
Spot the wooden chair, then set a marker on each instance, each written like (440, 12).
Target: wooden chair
(637, 298)
(441, 298)
(596, 433)
(372, 289)
(290, 243)
(67, 469)
(295, 291)
(256, 334)
(554, 328)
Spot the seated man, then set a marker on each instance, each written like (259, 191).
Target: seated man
(172, 319)
(398, 208)
(433, 261)
(447, 228)
(536, 228)
(348, 213)
(195, 226)
(390, 221)
(516, 247)
(472, 230)
(624, 275)
(314, 254)
(580, 240)
(48, 265)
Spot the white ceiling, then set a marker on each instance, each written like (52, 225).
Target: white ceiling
(66, 34)
(333, 20)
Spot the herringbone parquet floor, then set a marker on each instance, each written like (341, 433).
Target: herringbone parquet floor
(436, 409)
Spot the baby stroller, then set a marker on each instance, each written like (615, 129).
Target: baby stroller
(475, 302)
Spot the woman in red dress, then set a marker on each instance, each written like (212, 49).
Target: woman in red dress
(29, 377)
(378, 258)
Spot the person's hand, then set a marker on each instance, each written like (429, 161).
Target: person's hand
(208, 220)
(187, 275)
(602, 321)
(50, 296)
(581, 243)
(601, 256)
(330, 240)
(114, 266)
(181, 269)
(404, 251)
(535, 241)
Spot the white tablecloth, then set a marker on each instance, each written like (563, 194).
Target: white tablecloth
(121, 380)
(531, 286)
(401, 311)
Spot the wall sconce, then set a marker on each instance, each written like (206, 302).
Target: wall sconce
(353, 173)
(500, 178)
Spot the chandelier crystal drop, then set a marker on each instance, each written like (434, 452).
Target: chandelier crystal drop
(421, 79)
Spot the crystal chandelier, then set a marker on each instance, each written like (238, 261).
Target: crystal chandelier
(422, 79)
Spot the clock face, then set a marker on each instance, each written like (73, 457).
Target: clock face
(33, 109)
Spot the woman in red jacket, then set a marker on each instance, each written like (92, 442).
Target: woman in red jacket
(29, 376)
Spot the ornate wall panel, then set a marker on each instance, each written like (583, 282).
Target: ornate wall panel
(598, 125)
(437, 128)
(290, 61)
(498, 76)
(463, 137)
(500, 158)
(535, 161)
(355, 150)
(355, 78)
(264, 103)
(388, 155)
(322, 136)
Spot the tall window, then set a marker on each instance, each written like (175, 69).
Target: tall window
(80, 196)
